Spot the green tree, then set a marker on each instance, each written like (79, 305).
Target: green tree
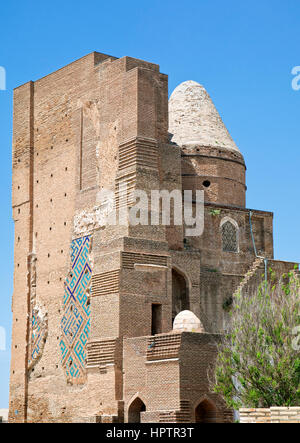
(258, 363)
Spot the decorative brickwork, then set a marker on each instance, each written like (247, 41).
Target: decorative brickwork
(125, 185)
(107, 283)
(101, 353)
(92, 340)
(130, 259)
(184, 415)
(75, 323)
(229, 237)
(138, 153)
(163, 346)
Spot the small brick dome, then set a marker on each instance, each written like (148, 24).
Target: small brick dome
(187, 321)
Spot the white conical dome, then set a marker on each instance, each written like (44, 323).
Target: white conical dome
(187, 321)
(194, 120)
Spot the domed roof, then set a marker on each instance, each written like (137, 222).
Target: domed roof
(194, 120)
(187, 321)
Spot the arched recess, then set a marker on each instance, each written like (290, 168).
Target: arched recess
(135, 409)
(230, 235)
(206, 412)
(180, 293)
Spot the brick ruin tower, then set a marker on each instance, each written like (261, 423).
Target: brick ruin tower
(120, 323)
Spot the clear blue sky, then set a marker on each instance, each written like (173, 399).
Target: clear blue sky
(241, 51)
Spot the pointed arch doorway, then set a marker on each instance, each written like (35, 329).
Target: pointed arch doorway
(135, 409)
(180, 293)
(206, 412)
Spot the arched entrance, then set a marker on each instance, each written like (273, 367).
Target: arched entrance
(206, 412)
(135, 409)
(180, 294)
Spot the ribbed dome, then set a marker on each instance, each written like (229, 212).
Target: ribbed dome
(194, 120)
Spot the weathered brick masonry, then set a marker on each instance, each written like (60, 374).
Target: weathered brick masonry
(270, 415)
(93, 307)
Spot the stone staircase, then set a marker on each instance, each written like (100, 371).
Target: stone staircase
(255, 266)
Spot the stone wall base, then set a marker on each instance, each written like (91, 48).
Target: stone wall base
(270, 415)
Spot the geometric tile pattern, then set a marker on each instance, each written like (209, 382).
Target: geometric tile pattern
(75, 322)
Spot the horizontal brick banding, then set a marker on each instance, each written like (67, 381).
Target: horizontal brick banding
(129, 259)
(107, 283)
(124, 196)
(101, 353)
(181, 416)
(163, 347)
(138, 153)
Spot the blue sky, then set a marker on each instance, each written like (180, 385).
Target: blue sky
(241, 51)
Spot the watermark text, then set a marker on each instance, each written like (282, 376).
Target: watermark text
(296, 79)
(2, 79)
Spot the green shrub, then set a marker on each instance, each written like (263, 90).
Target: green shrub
(258, 363)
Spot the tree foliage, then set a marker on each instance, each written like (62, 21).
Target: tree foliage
(258, 363)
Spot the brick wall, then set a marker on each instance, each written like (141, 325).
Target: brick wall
(169, 373)
(91, 125)
(96, 104)
(225, 170)
(270, 415)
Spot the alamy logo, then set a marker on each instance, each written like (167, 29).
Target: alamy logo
(296, 79)
(2, 339)
(137, 207)
(2, 79)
